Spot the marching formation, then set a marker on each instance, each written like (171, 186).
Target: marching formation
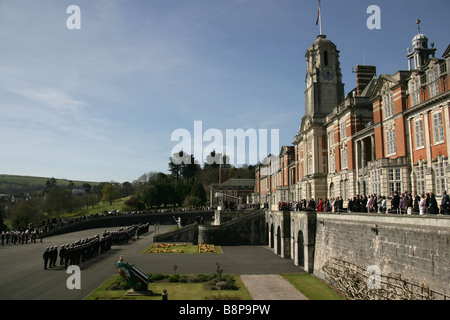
(85, 249)
(21, 236)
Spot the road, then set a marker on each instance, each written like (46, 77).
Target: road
(23, 276)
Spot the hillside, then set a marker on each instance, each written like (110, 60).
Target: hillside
(14, 184)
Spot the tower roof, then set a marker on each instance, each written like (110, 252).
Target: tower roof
(420, 41)
(418, 57)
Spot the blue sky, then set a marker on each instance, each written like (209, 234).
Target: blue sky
(101, 103)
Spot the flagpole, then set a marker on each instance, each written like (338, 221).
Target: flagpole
(320, 18)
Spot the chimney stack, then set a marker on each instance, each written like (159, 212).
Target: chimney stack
(363, 76)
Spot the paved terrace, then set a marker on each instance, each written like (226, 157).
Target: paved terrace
(23, 276)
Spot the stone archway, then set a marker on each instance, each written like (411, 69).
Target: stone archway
(272, 238)
(331, 190)
(278, 240)
(300, 249)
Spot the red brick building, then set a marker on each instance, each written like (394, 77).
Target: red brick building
(388, 134)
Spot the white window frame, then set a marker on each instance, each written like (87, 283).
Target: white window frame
(388, 105)
(394, 180)
(391, 142)
(421, 170)
(344, 130)
(310, 164)
(433, 82)
(375, 181)
(419, 134)
(440, 177)
(332, 162)
(415, 91)
(344, 157)
(438, 127)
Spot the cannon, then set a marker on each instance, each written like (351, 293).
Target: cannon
(135, 278)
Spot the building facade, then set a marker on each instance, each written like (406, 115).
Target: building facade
(388, 134)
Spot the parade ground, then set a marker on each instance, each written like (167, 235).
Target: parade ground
(23, 276)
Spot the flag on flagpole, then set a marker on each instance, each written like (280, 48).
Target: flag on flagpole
(319, 18)
(318, 15)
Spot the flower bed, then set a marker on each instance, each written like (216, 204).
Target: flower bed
(166, 248)
(187, 248)
(206, 248)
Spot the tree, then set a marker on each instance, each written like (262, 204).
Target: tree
(127, 189)
(110, 193)
(192, 201)
(199, 192)
(149, 195)
(190, 169)
(90, 199)
(213, 160)
(57, 200)
(135, 203)
(183, 166)
(175, 164)
(51, 183)
(26, 213)
(87, 188)
(3, 227)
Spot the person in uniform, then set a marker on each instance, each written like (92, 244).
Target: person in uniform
(46, 257)
(68, 255)
(50, 257)
(62, 251)
(54, 256)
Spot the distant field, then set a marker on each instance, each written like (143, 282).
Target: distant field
(18, 184)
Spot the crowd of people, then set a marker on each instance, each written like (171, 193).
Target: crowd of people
(85, 249)
(404, 203)
(50, 224)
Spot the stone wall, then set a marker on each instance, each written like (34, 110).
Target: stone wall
(247, 230)
(186, 234)
(187, 217)
(410, 249)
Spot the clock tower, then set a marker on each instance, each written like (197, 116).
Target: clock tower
(324, 87)
(324, 92)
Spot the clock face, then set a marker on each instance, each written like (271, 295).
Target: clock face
(328, 75)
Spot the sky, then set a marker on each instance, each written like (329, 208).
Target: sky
(102, 102)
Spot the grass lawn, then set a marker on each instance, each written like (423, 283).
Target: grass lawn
(176, 291)
(100, 207)
(312, 288)
(159, 248)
